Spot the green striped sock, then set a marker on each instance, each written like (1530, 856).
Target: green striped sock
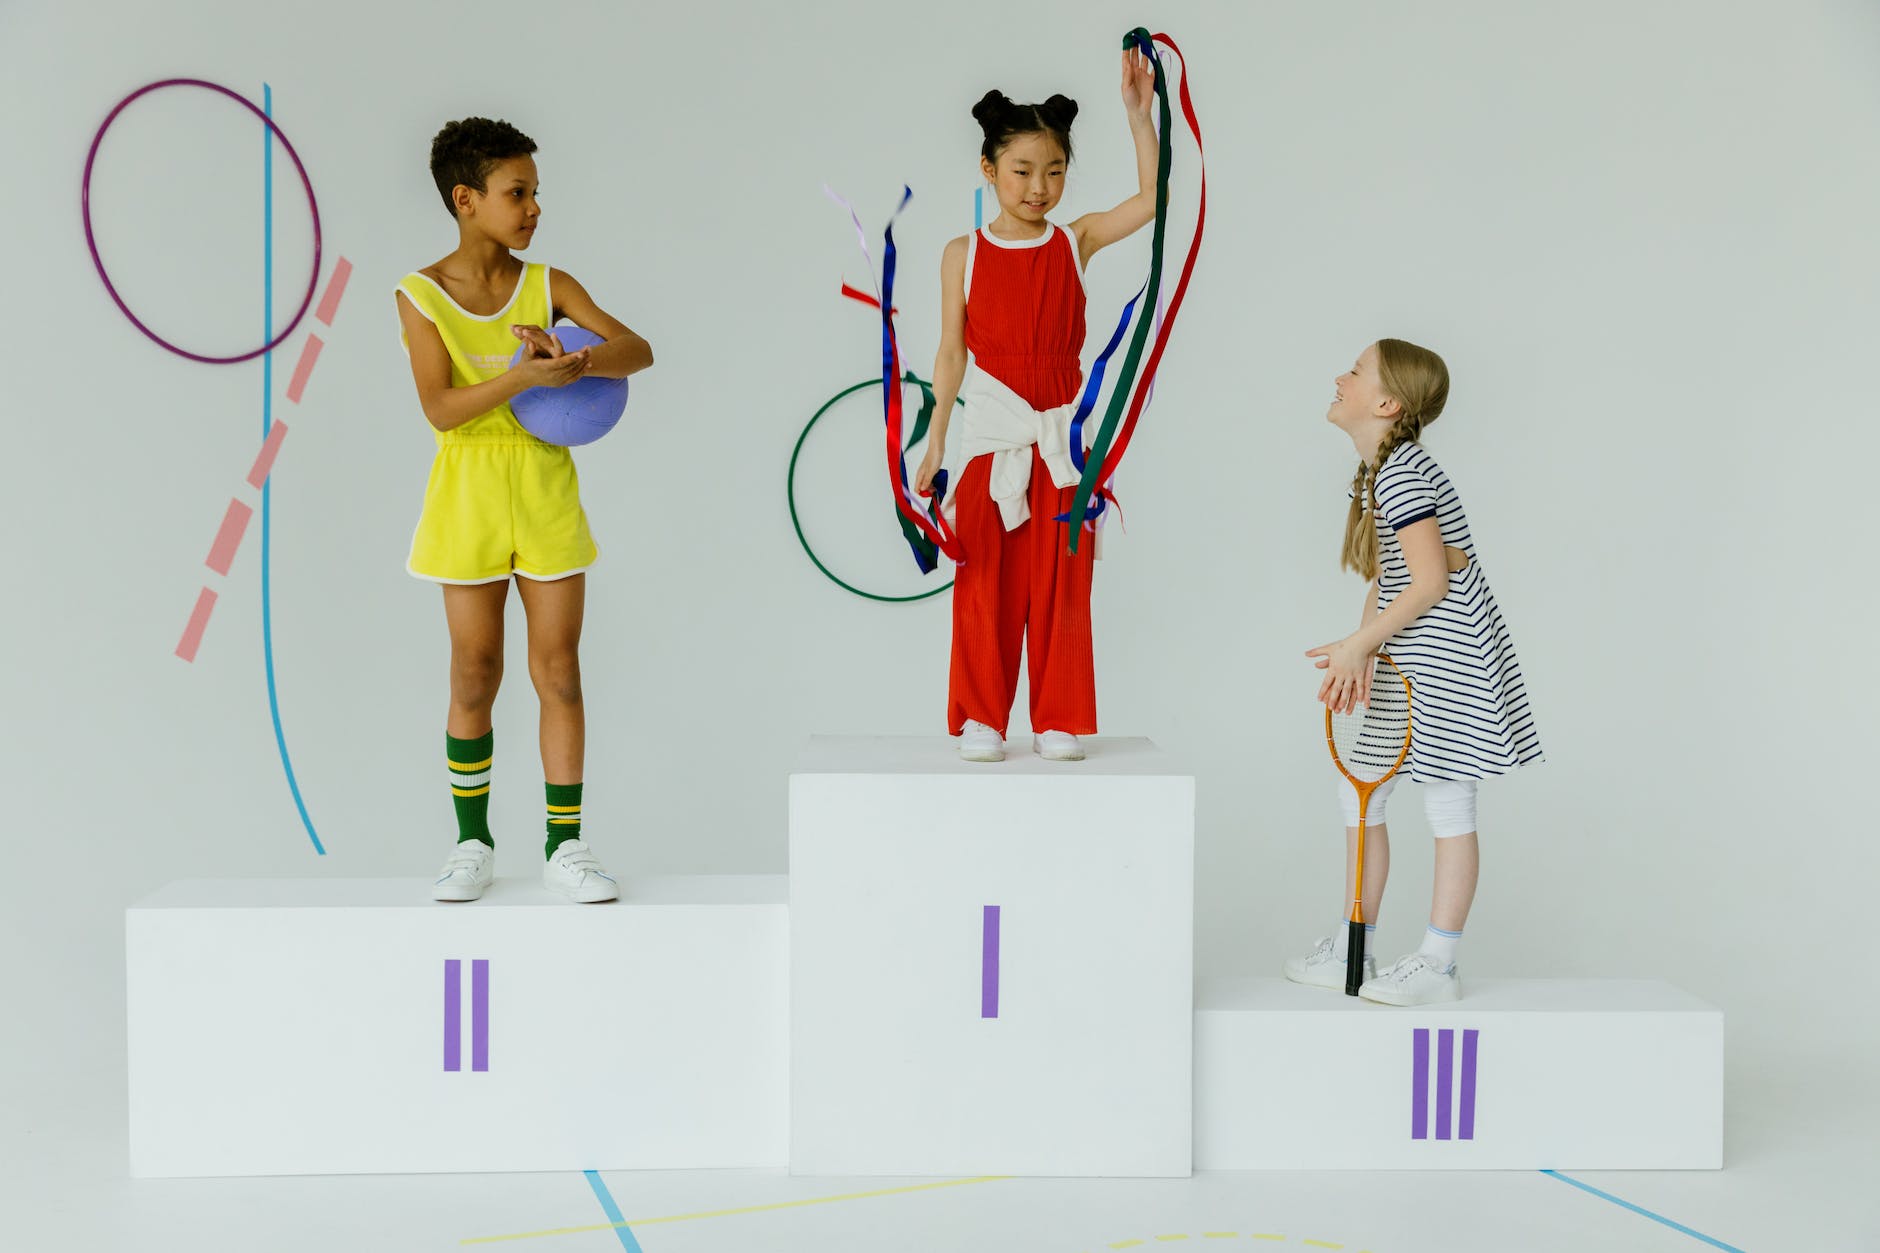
(564, 814)
(470, 784)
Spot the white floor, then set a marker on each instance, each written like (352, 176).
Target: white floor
(1801, 1153)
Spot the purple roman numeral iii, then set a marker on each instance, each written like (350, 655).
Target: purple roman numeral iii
(479, 1014)
(1449, 1110)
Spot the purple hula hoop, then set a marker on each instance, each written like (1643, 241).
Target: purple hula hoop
(313, 280)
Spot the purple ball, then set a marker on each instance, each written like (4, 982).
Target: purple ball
(577, 414)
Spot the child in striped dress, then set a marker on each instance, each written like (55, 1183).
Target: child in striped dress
(1430, 608)
(1012, 306)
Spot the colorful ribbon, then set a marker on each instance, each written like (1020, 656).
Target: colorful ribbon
(1135, 379)
(1087, 402)
(926, 530)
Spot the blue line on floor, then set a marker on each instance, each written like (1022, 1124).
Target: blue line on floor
(612, 1211)
(1657, 1218)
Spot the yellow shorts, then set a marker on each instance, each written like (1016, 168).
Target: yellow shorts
(497, 507)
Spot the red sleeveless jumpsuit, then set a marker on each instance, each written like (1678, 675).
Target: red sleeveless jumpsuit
(1025, 327)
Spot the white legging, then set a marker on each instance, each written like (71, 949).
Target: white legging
(1449, 804)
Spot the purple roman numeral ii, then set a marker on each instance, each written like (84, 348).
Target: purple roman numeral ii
(1449, 1109)
(479, 1014)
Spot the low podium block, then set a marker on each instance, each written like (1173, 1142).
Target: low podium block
(991, 964)
(1613, 1074)
(336, 1026)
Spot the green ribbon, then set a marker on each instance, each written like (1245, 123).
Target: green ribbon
(1132, 360)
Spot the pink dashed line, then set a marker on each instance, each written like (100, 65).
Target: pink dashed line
(198, 623)
(335, 288)
(264, 462)
(229, 537)
(308, 355)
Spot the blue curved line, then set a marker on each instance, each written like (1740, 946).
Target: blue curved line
(267, 484)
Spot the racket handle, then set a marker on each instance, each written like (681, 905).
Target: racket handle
(1354, 958)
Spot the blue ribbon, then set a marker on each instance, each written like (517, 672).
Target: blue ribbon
(1088, 402)
(924, 553)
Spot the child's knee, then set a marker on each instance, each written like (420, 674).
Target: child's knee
(557, 676)
(475, 676)
(1373, 810)
(1450, 805)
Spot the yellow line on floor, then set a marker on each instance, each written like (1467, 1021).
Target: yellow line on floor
(1233, 1235)
(726, 1213)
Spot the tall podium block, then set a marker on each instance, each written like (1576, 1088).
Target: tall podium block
(337, 1026)
(1567, 1074)
(991, 963)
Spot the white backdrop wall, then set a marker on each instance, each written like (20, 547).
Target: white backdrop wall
(1642, 235)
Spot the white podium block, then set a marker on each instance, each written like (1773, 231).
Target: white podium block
(1598, 1074)
(336, 1026)
(991, 964)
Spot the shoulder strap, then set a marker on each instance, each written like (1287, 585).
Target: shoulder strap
(424, 295)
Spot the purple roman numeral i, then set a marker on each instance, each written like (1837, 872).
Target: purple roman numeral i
(989, 963)
(1448, 1108)
(479, 1014)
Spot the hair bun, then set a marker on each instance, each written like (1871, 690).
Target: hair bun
(992, 106)
(1059, 111)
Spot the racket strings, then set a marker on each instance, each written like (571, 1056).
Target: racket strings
(1369, 739)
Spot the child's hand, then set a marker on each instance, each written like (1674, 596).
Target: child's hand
(929, 466)
(1138, 85)
(1348, 670)
(537, 342)
(556, 371)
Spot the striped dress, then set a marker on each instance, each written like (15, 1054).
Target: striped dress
(1469, 710)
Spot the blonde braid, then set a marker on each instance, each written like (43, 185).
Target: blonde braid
(1356, 550)
(1360, 533)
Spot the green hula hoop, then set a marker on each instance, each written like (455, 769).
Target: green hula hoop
(790, 487)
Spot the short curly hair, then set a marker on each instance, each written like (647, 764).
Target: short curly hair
(465, 152)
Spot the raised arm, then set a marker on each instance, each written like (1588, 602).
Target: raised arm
(1096, 231)
(949, 362)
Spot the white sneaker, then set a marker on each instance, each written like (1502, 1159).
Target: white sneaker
(1414, 980)
(471, 866)
(1324, 968)
(576, 873)
(979, 742)
(1057, 746)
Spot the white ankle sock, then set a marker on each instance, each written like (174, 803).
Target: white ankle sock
(1341, 938)
(1440, 946)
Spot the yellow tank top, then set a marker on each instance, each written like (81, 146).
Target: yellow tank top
(480, 347)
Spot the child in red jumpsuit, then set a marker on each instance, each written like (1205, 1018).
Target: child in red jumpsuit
(1012, 308)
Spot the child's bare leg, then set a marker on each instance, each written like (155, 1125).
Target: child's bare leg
(474, 616)
(1458, 864)
(554, 610)
(1376, 869)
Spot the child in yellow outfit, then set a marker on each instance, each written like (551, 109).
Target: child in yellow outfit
(500, 503)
